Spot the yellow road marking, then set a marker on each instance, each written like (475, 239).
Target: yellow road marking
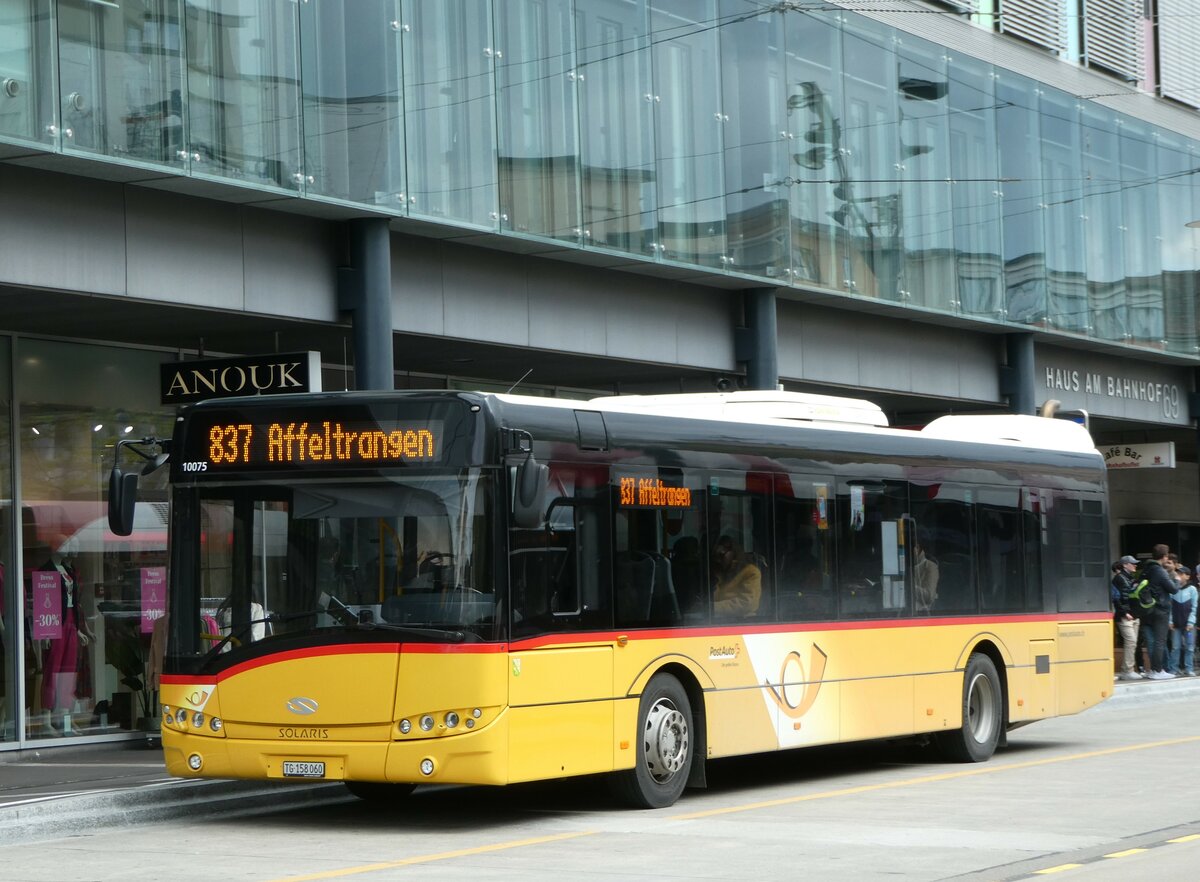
(989, 769)
(1191, 837)
(1057, 869)
(829, 794)
(1126, 853)
(429, 858)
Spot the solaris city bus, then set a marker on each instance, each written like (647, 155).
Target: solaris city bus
(396, 588)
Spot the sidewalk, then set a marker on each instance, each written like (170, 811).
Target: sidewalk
(49, 791)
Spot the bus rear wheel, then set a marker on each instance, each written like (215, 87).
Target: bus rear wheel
(380, 793)
(982, 714)
(664, 746)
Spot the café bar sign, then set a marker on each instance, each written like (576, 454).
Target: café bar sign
(1139, 456)
(184, 382)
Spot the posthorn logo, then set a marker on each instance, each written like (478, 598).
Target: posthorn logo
(302, 706)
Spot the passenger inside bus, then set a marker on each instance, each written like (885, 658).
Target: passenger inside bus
(925, 577)
(737, 578)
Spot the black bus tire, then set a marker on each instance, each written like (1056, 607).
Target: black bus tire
(664, 747)
(982, 714)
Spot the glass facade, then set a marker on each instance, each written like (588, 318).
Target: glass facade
(90, 598)
(803, 147)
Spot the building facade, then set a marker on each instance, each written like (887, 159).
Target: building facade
(966, 207)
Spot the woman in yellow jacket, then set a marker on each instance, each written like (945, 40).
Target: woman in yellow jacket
(738, 580)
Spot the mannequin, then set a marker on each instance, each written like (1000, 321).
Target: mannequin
(61, 663)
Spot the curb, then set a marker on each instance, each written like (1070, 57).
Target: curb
(76, 814)
(1144, 691)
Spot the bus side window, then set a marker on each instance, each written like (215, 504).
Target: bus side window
(804, 522)
(871, 549)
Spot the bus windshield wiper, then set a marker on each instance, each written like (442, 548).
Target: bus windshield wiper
(272, 618)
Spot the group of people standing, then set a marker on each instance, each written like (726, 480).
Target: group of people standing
(1154, 608)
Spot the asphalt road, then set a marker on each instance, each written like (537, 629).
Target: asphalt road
(1109, 794)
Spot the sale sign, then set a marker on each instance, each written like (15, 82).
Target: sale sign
(154, 596)
(47, 612)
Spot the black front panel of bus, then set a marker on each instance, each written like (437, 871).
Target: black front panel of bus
(326, 438)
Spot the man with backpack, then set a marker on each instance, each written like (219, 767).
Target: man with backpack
(1162, 586)
(1126, 621)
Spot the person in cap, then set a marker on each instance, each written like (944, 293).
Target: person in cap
(1126, 622)
(1183, 625)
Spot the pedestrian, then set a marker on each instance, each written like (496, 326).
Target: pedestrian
(1163, 587)
(1126, 622)
(1182, 626)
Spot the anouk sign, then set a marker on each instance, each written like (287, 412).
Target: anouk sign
(182, 382)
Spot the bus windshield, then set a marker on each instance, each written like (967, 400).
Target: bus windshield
(404, 557)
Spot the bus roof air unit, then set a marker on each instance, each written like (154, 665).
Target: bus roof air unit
(750, 407)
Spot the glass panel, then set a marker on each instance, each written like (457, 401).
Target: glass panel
(688, 135)
(1104, 228)
(804, 520)
(739, 538)
(974, 168)
(616, 126)
(927, 277)
(536, 81)
(353, 128)
(120, 78)
(755, 85)
(26, 91)
(10, 605)
(1140, 217)
(1018, 137)
(943, 565)
(871, 538)
(93, 598)
(1062, 176)
(243, 90)
(558, 573)
(449, 110)
(818, 171)
(1178, 205)
(871, 211)
(658, 540)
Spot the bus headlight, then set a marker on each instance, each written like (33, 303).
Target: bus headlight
(427, 723)
(181, 717)
(215, 724)
(198, 720)
(451, 720)
(405, 727)
(195, 761)
(426, 766)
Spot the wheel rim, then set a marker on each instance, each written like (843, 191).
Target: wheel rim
(981, 709)
(666, 740)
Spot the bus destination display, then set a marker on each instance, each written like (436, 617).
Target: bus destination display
(311, 443)
(652, 493)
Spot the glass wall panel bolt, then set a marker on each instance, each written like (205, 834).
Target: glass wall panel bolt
(12, 87)
(303, 178)
(396, 26)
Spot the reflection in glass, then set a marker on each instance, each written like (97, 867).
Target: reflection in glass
(1178, 205)
(927, 277)
(25, 93)
(353, 136)
(536, 84)
(974, 169)
(872, 213)
(818, 172)
(1148, 309)
(688, 132)
(1018, 137)
(10, 605)
(1062, 175)
(616, 126)
(1104, 228)
(448, 110)
(92, 598)
(120, 79)
(243, 90)
(755, 88)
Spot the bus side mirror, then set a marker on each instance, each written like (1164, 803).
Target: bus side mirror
(532, 478)
(122, 494)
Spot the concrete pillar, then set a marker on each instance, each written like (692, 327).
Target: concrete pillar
(365, 291)
(757, 344)
(1017, 378)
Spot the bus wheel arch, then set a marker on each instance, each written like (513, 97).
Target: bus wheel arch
(669, 741)
(984, 708)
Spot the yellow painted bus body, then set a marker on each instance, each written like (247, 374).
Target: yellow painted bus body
(559, 706)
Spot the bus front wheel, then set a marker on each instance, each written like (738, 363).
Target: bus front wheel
(664, 746)
(982, 714)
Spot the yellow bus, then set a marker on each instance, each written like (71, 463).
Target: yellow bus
(391, 589)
